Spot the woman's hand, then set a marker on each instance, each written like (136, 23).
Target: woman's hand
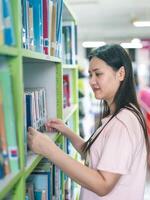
(38, 142)
(57, 124)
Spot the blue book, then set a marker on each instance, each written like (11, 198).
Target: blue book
(28, 110)
(1, 25)
(42, 182)
(25, 23)
(9, 38)
(2, 174)
(38, 27)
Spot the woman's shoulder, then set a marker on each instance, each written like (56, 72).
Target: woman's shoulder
(127, 117)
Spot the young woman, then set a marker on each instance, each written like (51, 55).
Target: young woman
(116, 154)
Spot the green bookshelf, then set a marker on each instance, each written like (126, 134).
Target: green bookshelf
(34, 69)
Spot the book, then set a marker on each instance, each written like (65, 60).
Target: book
(1, 25)
(9, 38)
(53, 30)
(45, 26)
(25, 23)
(70, 37)
(9, 116)
(36, 109)
(3, 139)
(38, 24)
(42, 182)
(30, 29)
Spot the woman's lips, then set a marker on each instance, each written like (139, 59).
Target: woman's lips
(96, 89)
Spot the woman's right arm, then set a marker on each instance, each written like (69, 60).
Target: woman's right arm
(60, 126)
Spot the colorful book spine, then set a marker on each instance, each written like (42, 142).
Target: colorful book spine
(9, 118)
(42, 183)
(45, 26)
(3, 138)
(38, 25)
(1, 25)
(36, 109)
(59, 28)
(9, 37)
(31, 30)
(53, 30)
(69, 42)
(50, 22)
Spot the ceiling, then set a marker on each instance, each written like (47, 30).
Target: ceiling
(110, 20)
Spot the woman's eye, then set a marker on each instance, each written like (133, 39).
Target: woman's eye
(90, 75)
(99, 74)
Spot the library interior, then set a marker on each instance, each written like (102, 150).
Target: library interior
(45, 49)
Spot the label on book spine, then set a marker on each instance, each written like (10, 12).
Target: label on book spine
(13, 153)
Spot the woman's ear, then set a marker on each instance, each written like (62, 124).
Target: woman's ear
(121, 73)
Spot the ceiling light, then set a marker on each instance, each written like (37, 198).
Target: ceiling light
(135, 40)
(83, 2)
(141, 23)
(90, 44)
(130, 45)
(134, 44)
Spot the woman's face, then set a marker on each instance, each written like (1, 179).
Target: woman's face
(103, 80)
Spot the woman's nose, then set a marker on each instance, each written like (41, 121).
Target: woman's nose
(92, 80)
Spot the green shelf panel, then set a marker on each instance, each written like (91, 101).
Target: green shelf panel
(59, 90)
(8, 182)
(8, 51)
(67, 13)
(32, 162)
(68, 111)
(17, 87)
(39, 56)
(75, 85)
(67, 66)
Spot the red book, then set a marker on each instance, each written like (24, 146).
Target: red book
(45, 27)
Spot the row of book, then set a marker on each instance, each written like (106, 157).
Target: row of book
(69, 43)
(8, 135)
(6, 23)
(35, 111)
(35, 108)
(41, 26)
(43, 30)
(35, 115)
(45, 182)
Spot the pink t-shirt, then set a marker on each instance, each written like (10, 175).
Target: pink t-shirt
(120, 148)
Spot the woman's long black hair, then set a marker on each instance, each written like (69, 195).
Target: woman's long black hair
(116, 56)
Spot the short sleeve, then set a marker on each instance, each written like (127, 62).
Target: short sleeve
(117, 153)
